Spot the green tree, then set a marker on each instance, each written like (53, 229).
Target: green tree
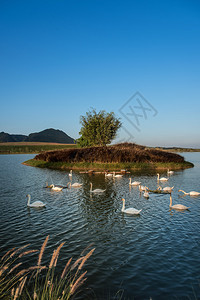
(98, 128)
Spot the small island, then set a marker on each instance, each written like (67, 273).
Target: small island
(128, 156)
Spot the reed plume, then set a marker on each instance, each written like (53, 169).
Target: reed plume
(22, 272)
(27, 252)
(42, 250)
(77, 262)
(3, 268)
(48, 286)
(84, 250)
(15, 267)
(66, 268)
(77, 283)
(52, 259)
(8, 252)
(19, 289)
(18, 250)
(85, 258)
(55, 256)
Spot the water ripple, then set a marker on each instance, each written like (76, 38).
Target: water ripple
(153, 255)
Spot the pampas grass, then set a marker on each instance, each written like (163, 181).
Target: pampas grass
(40, 281)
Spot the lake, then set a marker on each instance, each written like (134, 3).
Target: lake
(154, 255)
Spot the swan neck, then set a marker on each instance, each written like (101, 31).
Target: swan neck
(170, 204)
(184, 192)
(90, 186)
(123, 205)
(29, 200)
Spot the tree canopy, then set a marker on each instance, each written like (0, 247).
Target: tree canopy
(98, 128)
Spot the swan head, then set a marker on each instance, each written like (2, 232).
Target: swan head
(123, 199)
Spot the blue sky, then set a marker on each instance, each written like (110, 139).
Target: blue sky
(59, 59)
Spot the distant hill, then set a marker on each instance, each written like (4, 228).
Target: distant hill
(6, 137)
(47, 136)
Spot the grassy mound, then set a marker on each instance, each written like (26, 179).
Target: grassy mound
(122, 156)
(120, 153)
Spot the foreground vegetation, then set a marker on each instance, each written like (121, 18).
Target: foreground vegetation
(31, 147)
(40, 281)
(122, 156)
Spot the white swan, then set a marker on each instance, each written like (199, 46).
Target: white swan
(131, 210)
(34, 204)
(56, 188)
(70, 173)
(170, 172)
(192, 193)
(162, 178)
(96, 190)
(167, 189)
(117, 176)
(134, 182)
(141, 188)
(177, 206)
(146, 194)
(108, 174)
(76, 184)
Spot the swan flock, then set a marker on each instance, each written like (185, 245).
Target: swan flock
(130, 210)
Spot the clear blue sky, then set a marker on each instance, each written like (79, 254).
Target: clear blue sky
(60, 58)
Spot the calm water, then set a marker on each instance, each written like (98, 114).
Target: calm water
(153, 255)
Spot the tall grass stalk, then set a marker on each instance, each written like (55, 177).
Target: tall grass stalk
(40, 281)
(9, 271)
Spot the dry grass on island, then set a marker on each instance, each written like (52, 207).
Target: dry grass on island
(126, 155)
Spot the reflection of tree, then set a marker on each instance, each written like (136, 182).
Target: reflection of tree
(100, 209)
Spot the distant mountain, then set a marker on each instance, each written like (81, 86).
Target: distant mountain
(47, 136)
(50, 136)
(6, 137)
